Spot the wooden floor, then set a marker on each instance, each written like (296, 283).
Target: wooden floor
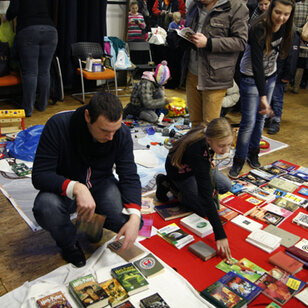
(27, 255)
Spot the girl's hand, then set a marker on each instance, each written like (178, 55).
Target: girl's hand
(264, 107)
(223, 248)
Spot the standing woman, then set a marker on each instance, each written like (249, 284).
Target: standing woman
(269, 35)
(36, 42)
(192, 176)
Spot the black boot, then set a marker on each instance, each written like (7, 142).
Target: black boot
(236, 168)
(74, 255)
(162, 187)
(274, 128)
(253, 158)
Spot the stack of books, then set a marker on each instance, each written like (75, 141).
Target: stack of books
(197, 225)
(301, 219)
(264, 240)
(299, 251)
(174, 235)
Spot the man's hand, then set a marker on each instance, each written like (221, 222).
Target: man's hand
(163, 12)
(130, 231)
(199, 39)
(223, 248)
(264, 106)
(85, 202)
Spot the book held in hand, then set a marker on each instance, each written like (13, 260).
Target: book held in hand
(221, 296)
(174, 235)
(88, 293)
(172, 210)
(264, 240)
(117, 294)
(185, 33)
(154, 300)
(202, 250)
(197, 225)
(130, 278)
(56, 299)
(149, 266)
(286, 262)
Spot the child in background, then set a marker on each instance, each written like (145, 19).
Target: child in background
(149, 94)
(176, 23)
(262, 6)
(136, 23)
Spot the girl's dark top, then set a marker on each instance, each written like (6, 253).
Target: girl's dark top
(196, 162)
(31, 12)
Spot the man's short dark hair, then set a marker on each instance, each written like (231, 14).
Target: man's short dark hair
(106, 104)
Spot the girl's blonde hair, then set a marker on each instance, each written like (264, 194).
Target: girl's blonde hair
(217, 129)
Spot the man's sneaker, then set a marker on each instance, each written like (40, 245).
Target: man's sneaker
(274, 128)
(253, 158)
(162, 187)
(236, 168)
(74, 255)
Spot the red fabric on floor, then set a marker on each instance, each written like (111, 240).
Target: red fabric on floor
(202, 274)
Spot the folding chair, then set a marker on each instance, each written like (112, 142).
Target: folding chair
(80, 52)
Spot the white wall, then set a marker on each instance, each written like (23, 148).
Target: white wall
(116, 20)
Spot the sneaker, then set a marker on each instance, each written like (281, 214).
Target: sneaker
(274, 128)
(74, 255)
(267, 122)
(253, 158)
(236, 168)
(162, 187)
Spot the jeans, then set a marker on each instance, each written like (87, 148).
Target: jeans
(188, 189)
(277, 100)
(203, 106)
(252, 122)
(52, 211)
(36, 46)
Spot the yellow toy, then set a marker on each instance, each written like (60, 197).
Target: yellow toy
(11, 121)
(176, 107)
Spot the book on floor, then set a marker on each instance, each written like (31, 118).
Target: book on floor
(302, 191)
(286, 204)
(226, 214)
(271, 207)
(285, 165)
(221, 296)
(274, 170)
(126, 304)
(287, 238)
(248, 197)
(264, 240)
(197, 225)
(282, 184)
(300, 249)
(88, 293)
(293, 179)
(241, 286)
(275, 289)
(238, 204)
(262, 174)
(246, 223)
(301, 219)
(147, 205)
(262, 194)
(273, 305)
(286, 262)
(272, 190)
(301, 172)
(266, 216)
(303, 296)
(130, 278)
(117, 294)
(297, 200)
(154, 300)
(202, 250)
(56, 299)
(174, 235)
(172, 210)
(244, 267)
(253, 179)
(149, 266)
(146, 229)
(128, 254)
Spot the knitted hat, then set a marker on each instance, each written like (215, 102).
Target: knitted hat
(162, 73)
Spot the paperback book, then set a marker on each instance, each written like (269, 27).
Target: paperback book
(238, 204)
(300, 250)
(241, 286)
(221, 296)
(248, 197)
(174, 235)
(56, 299)
(149, 266)
(154, 300)
(117, 294)
(301, 172)
(130, 278)
(146, 229)
(293, 179)
(253, 179)
(246, 223)
(185, 33)
(172, 210)
(286, 204)
(282, 164)
(271, 207)
(126, 304)
(244, 267)
(302, 191)
(262, 194)
(197, 224)
(275, 289)
(282, 184)
(303, 296)
(264, 240)
(273, 190)
(226, 214)
(274, 170)
(246, 186)
(262, 174)
(202, 250)
(297, 200)
(286, 262)
(265, 216)
(301, 219)
(88, 293)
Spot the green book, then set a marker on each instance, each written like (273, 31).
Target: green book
(149, 266)
(130, 278)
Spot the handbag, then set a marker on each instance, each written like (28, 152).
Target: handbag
(304, 35)
(4, 59)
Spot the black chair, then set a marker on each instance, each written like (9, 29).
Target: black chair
(141, 55)
(80, 52)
